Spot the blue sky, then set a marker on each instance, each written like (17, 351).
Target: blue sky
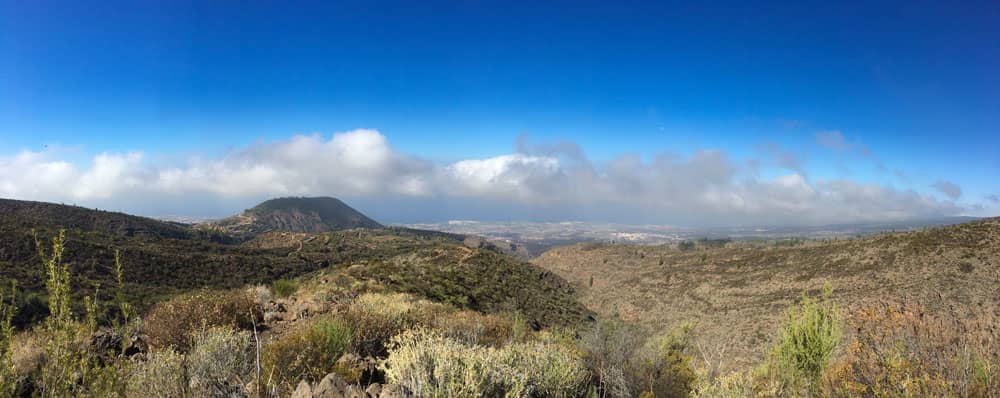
(908, 90)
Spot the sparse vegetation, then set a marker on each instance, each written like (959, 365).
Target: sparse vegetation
(904, 350)
(308, 353)
(171, 323)
(161, 375)
(432, 365)
(806, 343)
(441, 319)
(220, 363)
(284, 287)
(8, 377)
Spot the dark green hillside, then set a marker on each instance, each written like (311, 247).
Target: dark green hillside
(25, 215)
(163, 259)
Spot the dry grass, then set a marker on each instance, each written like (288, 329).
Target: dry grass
(739, 292)
(901, 349)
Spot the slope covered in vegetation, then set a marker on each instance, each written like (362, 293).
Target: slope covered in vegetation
(737, 291)
(166, 259)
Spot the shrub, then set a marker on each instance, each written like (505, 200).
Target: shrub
(220, 363)
(8, 376)
(309, 352)
(664, 365)
(609, 348)
(807, 342)
(432, 365)
(62, 363)
(67, 367)
(260, 294)
(171, 323)
(904, 350)
(376, 318)
(161, 375)
(284, 287)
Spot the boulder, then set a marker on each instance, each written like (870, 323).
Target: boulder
(303, 390)
(332, 386)
(356, 369)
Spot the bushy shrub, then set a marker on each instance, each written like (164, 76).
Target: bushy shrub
(904, 350)
(375, 318)
(220, 363)
(609, 349)
(664, 368)
(67, 367)
(309, 352)
(172, 322)
(807, 342)
(260, 294)
(161, 375)
(432, 365)
(284, 287)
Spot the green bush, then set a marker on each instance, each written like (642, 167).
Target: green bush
(284, 287)
(664, 366)
(376, 318)
(68, 366)
(807, 341)
(431, 365)
(309, 352)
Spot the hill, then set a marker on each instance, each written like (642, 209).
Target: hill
(163, 259)
(18, 214)
(313, 215)
(737, 292)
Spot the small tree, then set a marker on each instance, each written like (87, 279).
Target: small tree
(807, 341)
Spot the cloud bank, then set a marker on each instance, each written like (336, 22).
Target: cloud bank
(548, 182)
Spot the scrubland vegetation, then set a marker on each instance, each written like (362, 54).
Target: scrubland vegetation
(415, 328)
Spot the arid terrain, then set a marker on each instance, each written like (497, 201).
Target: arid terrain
(737, 293)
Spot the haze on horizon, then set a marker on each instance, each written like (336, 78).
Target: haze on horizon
(683, 114)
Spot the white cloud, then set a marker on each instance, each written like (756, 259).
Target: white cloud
(705, 188)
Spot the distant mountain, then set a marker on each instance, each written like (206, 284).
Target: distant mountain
(310, 215)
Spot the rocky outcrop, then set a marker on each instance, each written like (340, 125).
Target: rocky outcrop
(106, 344)
(334, 386)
